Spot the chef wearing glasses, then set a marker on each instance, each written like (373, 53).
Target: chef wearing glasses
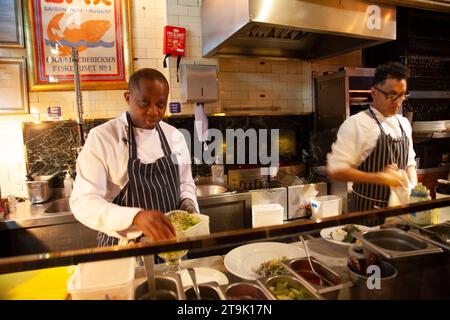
(375, 145)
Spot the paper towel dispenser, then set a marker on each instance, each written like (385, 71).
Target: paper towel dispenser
(198, 83)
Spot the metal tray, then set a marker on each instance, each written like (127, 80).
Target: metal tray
(394, 243)
(265, 283)
(335, 281)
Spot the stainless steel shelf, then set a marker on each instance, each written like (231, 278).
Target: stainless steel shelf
(431, 135)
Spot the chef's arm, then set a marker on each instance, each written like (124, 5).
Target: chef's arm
(412, 175)
(88, 200)
(386, 177)
(188, 191)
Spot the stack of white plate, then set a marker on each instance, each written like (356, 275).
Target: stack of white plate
(429, 126)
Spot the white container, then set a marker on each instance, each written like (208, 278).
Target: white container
(200, 229)
(267, 214)
(108, 279)
(326, 206)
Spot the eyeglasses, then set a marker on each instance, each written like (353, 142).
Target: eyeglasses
(394, 98)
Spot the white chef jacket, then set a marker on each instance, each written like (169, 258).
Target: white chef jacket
(102, 174)
(358, 135)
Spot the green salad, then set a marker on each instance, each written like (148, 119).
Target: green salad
(183, 220)
(283, 291)
(272, 267)
(344, 234)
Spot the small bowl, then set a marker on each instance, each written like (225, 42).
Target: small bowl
(244, 291)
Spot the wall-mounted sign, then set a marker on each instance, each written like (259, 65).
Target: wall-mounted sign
(54, 113)
(100, 31)
(175, 107)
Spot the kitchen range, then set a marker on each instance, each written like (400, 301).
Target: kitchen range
(268, 150)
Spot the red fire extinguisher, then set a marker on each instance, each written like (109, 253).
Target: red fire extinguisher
(174, 44)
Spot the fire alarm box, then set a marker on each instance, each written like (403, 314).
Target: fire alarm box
(174, 41)
(198, 83)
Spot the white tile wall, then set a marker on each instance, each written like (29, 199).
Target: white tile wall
(285, 84)
(261, 84)
(148, 18)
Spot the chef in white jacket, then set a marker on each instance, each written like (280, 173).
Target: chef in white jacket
(134, 168)
(373, 146)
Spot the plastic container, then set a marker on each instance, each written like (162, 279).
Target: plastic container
(443, 191)
(326, 206)
(200, 229)
(418, 194)
(109, 279)
(68, 185)
(267, 214)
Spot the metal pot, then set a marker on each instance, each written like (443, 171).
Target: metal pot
(407, 252)
(387, 287)
(38, 191)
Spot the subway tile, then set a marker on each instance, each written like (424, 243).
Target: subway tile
(294, 86)
(193, 3)
(264, 67)
(239, 95)
(255, 77)
(193, 52)
(193, 41)
(264, 103)
(270, 77)
(279, 86)
(231, 65)
(194, 11)
(248, 66)
(279, 68)
(173, 20)
(177, 10)
(256, 95)
(225, 94)
(189, 21)
(155, 13)
(281, 103)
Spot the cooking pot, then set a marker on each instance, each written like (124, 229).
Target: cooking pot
(39, 190)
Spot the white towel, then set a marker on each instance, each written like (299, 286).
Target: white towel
(201, 123)
(400, 195)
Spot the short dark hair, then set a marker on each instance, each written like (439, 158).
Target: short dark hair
(390, 70)
(148, 74)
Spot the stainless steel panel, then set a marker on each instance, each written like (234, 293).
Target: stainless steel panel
(59, 206)
(227, 211)
(292, 28)
(331, 16)
(206, 190)
(198, 83)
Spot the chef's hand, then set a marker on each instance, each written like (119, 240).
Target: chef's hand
(392, 177)
(155, 225)
(188, 205)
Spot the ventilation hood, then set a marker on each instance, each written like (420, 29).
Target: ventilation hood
(302, 29)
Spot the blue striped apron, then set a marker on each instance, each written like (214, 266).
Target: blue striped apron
(152, 186)
(388, 150)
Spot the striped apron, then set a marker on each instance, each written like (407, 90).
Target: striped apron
(388, 150)
(152, 186)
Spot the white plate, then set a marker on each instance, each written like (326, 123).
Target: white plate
(244, 260)
(203, 275)
(325, 234)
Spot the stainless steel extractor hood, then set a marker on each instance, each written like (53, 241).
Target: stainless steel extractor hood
(302, 29)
